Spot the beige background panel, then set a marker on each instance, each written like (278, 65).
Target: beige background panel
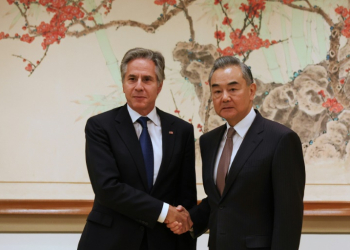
(49, 191)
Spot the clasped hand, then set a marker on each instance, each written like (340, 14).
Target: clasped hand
(178, 220)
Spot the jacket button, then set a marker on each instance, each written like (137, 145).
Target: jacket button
(142, 228)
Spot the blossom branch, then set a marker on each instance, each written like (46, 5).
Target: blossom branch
(176, 108)
(218, 41)
(246, 57)
(165, 9)
(271, 44)
(308, 3)
(259, 28)
(35, 66)
(104, 2)
(245, 21)
(314, 9)
(225, 12)
(149, 28)
(24, 15)
(119, 23)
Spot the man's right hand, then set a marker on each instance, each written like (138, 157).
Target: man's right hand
(178, 220)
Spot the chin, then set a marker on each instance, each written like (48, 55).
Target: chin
(139, 104)
(227, 113)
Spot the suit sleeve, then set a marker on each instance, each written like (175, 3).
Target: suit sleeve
(288, 178)
(200, 217)
(106, 182)
(187, 192)
(200, 214)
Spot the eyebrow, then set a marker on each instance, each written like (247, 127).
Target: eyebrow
(132, 75)
(230, 83)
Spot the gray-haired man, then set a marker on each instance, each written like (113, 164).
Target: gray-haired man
(253, 171)
(141, 165)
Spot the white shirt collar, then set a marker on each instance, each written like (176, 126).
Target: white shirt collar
(153, 116)
(243, 126)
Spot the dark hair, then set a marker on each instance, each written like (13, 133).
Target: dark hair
(154, 56)
(226, 61)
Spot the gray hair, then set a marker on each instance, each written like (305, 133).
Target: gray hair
(226, 61)
(142, 53)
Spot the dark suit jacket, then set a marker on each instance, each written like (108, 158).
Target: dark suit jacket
(124, 211)
(262, 203)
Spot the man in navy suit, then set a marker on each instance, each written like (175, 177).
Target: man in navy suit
(253, 171)
(141, 166)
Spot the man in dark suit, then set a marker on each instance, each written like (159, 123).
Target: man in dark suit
(141, 164)
(253, 171)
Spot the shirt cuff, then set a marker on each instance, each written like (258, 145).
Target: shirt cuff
(163, 213)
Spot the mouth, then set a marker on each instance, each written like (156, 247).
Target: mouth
(139, 97)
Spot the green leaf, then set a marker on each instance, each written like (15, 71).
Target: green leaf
(13, 10)
(100, 103)
(15, 20)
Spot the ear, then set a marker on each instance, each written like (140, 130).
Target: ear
(252, 90)
(159, 87)
(123, 85)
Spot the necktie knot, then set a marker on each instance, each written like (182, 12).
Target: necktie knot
(231, 131)
(143, 121)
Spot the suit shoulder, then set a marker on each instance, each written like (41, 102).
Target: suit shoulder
(179, 122)
(103, 119)
(277, 128)
(212, 133)
(110, 114)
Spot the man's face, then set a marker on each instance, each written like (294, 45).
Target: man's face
(232, 98)
(140, 85)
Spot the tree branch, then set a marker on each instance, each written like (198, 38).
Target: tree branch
(344, 61)
(24, 15)
(228, 19)
(33, 64)
(308, 3)
(149, 28)
(207, 115)
(190, 21)
(314, 9)
(218, 40)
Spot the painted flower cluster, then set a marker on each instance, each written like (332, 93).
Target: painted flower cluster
(243, 41)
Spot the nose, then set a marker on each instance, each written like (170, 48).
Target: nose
(225, 96)
(139, 86)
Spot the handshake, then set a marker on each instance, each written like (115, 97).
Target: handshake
(178, 220)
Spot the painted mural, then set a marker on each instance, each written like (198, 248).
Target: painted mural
(299, 53)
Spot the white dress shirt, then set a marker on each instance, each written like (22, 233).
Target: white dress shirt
(241, 130)
(155, 132)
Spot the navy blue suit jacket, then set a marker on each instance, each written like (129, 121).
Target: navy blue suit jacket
(124, 210)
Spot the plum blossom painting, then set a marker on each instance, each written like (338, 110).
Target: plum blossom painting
(60, 59)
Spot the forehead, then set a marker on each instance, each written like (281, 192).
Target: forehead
(228, 75)
(141, 66)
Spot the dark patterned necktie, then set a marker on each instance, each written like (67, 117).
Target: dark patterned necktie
(225, 161)
(147, 150)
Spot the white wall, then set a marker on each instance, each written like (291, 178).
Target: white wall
(70, 241)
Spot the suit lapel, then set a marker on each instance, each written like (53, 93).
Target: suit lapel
(169, 135)
(127, 132)
(214, 143)
(250, 142)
